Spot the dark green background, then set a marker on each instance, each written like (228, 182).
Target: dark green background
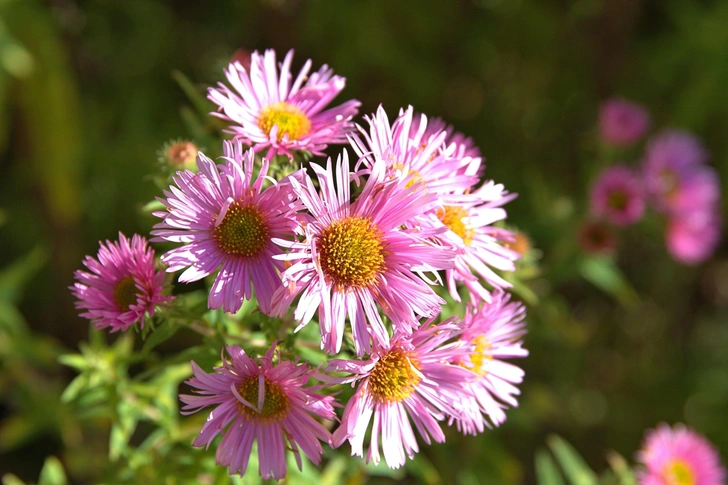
(81, 120)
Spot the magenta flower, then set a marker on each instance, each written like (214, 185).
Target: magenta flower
(464, 145)
(479, 245)
(121, 286)
(622, 122)
(679, 456)
(270, 112)
(355, 256)
(410, 150)
(692, 237)
(226, 220)
(256, 399)
(494, 332)
(618, 196)
(669, 158)
(409, 379)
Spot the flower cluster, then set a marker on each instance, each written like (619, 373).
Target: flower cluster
(358, 246)
(673, 177)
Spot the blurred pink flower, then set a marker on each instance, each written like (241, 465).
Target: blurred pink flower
(679, 456)
(269, 112)
(596, 237)
(622, 122)
(256, 399)
(121, 286)
(617, 196)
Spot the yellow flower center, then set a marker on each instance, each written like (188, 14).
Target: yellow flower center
(351, 252)
(416, 177)
(678, 472)
(670, 182)
(290, 120)
(452, 217)
(125, 293)
(242, 232)
(481, 357)
(275, 402)
(617, 200)
(393, 377)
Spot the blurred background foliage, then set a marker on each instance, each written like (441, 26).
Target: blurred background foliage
(88, 95)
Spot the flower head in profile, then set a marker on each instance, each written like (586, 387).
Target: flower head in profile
(622, 122)
(480, 246)
(679, 456)
(411, 150)
(494, 331)
(356, 256)
(259, 400)
(268, 111)
(226, 219)
(409, 381)
(121, 285)
(618, 197)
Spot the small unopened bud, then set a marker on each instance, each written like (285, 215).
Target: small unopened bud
(520, 243)
(179, 154)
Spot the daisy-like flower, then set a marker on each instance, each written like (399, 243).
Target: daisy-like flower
(622, 122)
(494, 331)
(480, 246)
(121, 286)
(618, 196)
(356, 256)
(226, 220)
(412, 151)
(256, 399)
(679, 456)
(270, 112)
(408, 380)
(670, 157)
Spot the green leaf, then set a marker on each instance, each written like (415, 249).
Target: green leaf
(621, 469)
(573, 465)
(74, 388)
(123, 428)
(52, 473)
(10, 479)
(198, 100)
(161, 334)
(546, 471)
(77, 361)
(604, 273)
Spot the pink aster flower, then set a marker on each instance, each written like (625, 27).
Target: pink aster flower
(494, 331)
(227, 220)
(618, 197)
(692, 237)
(256, 399)
(465, 147)
(622, 122)
(669, 158)
(679, 456)
(356, 256)
(121, 286)
(409, 153)
(480, 246)
(270, 112)
(407, 381)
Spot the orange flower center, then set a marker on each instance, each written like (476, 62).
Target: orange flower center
(678, 472)
(242, 232)
(452, 216)
(394, 376)
(290, 120)
(351, 252)
(275, 401)
(125, 293)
